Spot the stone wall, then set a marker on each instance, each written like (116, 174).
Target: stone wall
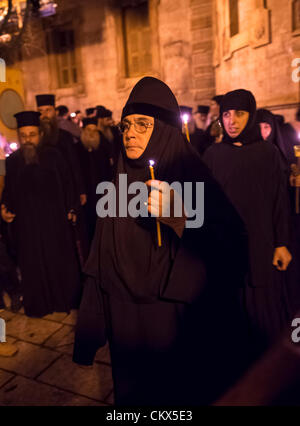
(260, 58)
(181, 46)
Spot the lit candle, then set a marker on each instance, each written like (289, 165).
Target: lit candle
(296, 172)
(151, 164)
(185, 119)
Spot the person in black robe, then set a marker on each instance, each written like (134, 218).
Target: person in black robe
(201, 116)
(110, 135)
(37, 198)
(162, 307)
(211, 133)
(271, 132)
(63, 141)
(250, 172)
(9, 281)
(90, 112)
(94, 159)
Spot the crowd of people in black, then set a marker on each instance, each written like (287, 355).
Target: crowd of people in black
(212, 299)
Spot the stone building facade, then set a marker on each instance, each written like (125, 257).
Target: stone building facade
(93, 52)
(177, 36)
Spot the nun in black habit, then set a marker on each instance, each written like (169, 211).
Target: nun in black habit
(161, 308)
(251, 174)
(271, 132)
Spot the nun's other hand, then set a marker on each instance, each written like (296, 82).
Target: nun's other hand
(7, 216)
(281, 258)
(295, 181)
(83, 199)
(167, 205)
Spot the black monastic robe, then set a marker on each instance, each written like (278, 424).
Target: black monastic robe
(40, 195)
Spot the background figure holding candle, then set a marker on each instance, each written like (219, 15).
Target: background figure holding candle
(193, 134)
(251, 174)
(36, 200)
(164, 304)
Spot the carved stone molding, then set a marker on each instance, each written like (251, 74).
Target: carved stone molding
(259, 31)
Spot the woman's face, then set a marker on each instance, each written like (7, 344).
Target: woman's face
(137, 130)
(265, 130)
(235, 121)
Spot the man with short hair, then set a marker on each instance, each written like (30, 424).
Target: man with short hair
(64, 122)
(36, 200)
(90, 112)
(201, 115)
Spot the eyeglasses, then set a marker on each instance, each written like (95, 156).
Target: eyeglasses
(139, 126)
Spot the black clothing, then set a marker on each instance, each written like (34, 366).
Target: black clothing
(39, 195)
(47, 99)
(9, 281)
(160, 304)
(275, 137)
(66, 146)
(241, 100)
(254, 181)
(27, 118)
(113, 148)
(95, 168)
(201, 140)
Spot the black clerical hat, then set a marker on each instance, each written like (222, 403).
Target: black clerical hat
(27, 118)
(42, 100)
(89, 111)
(89, 120)
(102, 112)
(203, 109)
(218, 99)
(153, 97)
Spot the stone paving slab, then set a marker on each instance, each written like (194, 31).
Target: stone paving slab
(103, 354)
(93, 382)
(63, 337)
(7, 315)
(10, 340)
(4, 377)
(32, 330)
(110, 399)
(56, 316)
(23, 392)
(71, 319)
(29, 361)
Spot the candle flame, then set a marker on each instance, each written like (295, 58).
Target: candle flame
(13, 146)
(151, 162)
(185, 118)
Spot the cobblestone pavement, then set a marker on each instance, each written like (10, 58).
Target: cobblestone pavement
(42, 371)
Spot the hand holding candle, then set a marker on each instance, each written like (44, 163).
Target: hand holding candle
(166, 204)
(185, 119)
(151, 164)
(295, 174)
